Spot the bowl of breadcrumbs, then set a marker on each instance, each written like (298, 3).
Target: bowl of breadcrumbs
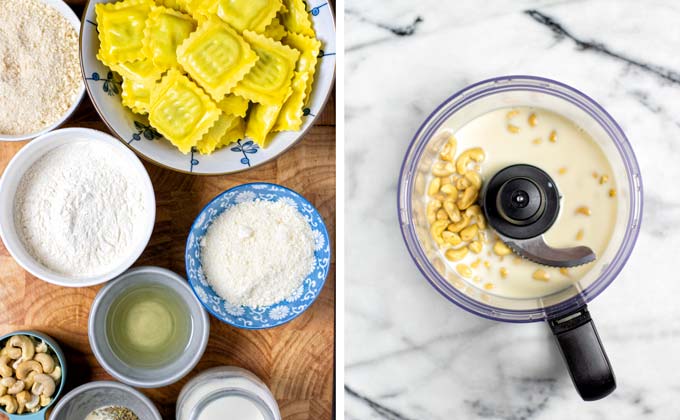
(40, 79)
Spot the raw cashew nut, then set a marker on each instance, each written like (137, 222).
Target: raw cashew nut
(468, 198)
(33, 404)
(10, 403)
(458, 226)
(474, 179)
(44, 385)
(469, 233)
(452, 211)
(46, 361)
(16, 387)
(23, 398)
(27, 367)
(44, 400)
(12, 352)
(436, 230)
(475, 154)
(30, 379)
(25, 344)
(56, 374)
(443, 169)
(41, 348)
(450, 191)
(5, 370)
(476, 212)
(3, 390)
(451, 238)
(462, 183)
(456, 254)
(448, 152)
(501, 249)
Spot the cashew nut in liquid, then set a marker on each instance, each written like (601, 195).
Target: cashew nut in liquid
(468, 198)
(475, 154)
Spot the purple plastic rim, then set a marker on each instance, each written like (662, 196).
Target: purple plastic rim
(495, 86)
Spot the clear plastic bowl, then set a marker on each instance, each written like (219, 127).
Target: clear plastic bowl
(515, 91)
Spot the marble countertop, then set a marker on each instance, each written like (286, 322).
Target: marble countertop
(410, 354)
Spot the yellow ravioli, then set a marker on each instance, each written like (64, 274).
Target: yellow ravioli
(309, 48)
(235, 133)
(234, 104)
(296, 19)
(137, 95)
(211, 139)
(165, 30)
(269, 80)
(139, 70)
(121, 30)
(290, 117)
(216, 57)
(181, 111)
(261, 120)
(275, 30)
(200, 8)
(252, 15)
(173, 4)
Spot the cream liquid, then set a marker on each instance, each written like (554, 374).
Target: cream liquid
(573, 150)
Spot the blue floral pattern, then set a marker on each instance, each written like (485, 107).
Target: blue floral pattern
(249, 147)
(144, 130)
(280, 312)
(112, 83)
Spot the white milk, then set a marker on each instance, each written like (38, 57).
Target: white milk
(573, 150)
(237, 408)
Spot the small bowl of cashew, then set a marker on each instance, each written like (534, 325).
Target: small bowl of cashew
(33, 372)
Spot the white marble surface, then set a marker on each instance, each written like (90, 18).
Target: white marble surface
(409, 353)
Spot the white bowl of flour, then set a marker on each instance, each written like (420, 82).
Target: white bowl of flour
(78, 207)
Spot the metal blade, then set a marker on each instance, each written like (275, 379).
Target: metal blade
(536, 250)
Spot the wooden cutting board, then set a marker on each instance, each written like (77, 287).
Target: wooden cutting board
(295, 360)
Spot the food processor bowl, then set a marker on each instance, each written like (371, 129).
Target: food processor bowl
(535, 92)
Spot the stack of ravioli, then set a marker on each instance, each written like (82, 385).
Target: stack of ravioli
(210, 72)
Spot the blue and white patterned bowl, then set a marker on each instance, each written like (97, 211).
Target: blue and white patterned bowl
(104, 88)
(278, 313)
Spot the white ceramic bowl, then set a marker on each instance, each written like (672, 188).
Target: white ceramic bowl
(23, 160)
(67, 12)
(155, 377)
(104, 89)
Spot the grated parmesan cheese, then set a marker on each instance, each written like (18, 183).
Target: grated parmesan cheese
(257, 253)
(39, 66)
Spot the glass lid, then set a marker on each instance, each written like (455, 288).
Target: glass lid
(526, 162)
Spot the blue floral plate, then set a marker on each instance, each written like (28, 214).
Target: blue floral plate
(278, 313)
(104, 87)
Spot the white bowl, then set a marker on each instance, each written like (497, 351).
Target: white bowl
(23, 160)
(63, 8)
(134, 130)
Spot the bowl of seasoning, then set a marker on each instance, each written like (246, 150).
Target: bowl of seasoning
(147, 329)
(79, 207)
(105, 400)
(258, 255)
(33, 372)
(226, 389)
(41, 83)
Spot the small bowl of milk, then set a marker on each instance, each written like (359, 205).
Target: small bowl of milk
(226, 389)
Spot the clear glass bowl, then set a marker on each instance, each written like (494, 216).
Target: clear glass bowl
(516, 91)
(224, 382)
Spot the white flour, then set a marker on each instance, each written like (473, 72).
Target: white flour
(76, 209)
(257, 253)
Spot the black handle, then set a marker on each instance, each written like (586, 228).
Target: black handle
(582, 350)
